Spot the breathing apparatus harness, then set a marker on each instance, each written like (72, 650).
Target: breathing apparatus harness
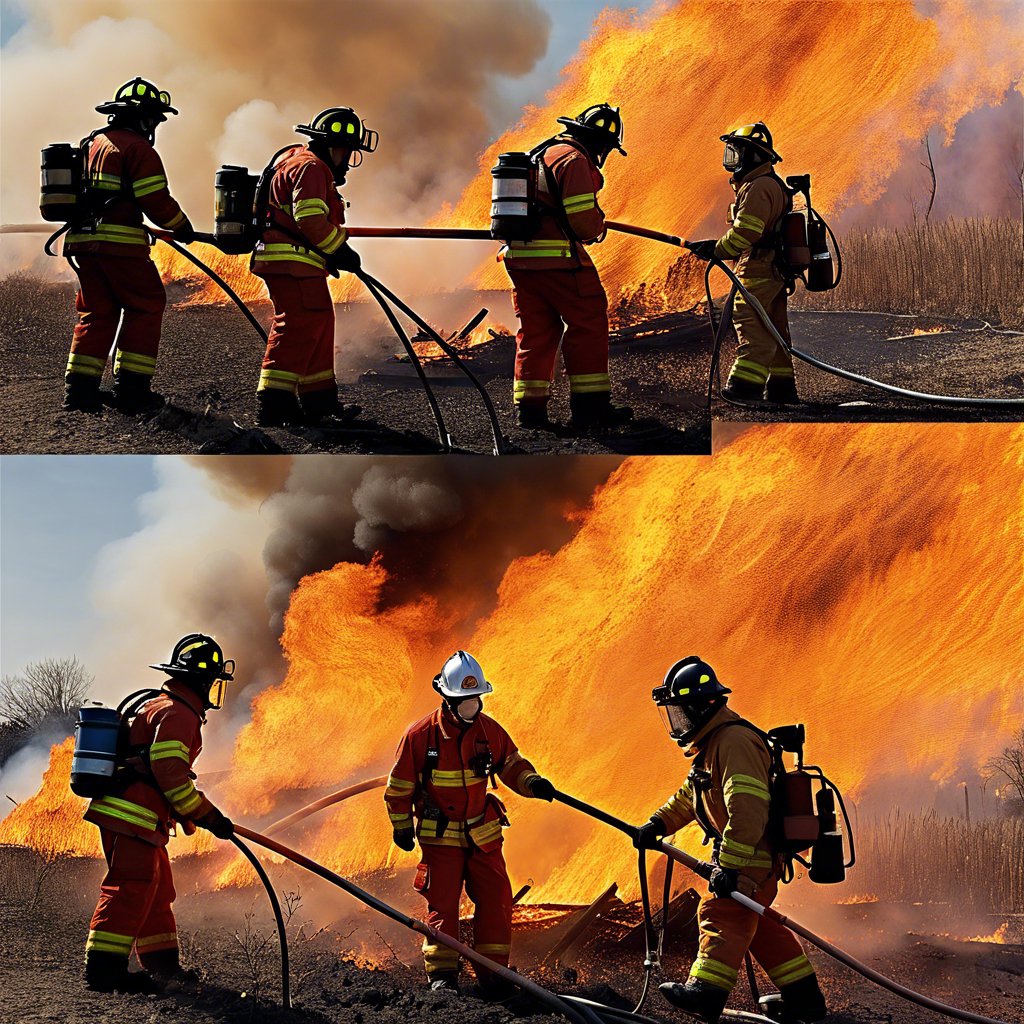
(516, 206)
(798, 819)
(105, 762)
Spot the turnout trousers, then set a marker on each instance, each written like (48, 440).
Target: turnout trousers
(728, 931)
(300, 350)
(442, 872)
(759, 355)
(567, 307)
(136, 894)
(114, 290)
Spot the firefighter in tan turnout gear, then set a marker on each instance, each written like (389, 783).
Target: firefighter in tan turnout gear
(763, 370)
(556, 290)
(438, 793)
(727, 794)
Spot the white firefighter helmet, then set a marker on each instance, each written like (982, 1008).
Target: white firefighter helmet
(462, 676)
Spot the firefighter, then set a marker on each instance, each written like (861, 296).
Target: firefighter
(763, 369)
(307, 242)
(109, 251)
(727, 794)
(556, 290)
(439, 782)
(136, 894)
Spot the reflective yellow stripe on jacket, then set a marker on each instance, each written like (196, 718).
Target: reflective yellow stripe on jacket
(126, 810)
(270, 252)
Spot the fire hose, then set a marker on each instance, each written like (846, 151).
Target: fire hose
(787, 346)
(578, 1012)
(704, 870)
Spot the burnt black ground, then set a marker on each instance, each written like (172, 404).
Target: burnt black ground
(353, 966)
(209, 364)
(210, 358)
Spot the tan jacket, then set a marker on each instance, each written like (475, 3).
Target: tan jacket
(737, 800)
(760, 202)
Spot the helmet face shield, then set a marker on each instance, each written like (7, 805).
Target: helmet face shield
(676, 721)
(732, 157)
(215, 696)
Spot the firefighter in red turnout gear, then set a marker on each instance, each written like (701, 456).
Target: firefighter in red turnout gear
(108, 249)
(152, 793)
(557, 292)
(438, 793)
(308, 240)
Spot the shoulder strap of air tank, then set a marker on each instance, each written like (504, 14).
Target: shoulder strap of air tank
(558, 207)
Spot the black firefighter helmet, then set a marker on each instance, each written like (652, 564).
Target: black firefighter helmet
(599, 128)
(340, 127)
(198, 661)
(140, 98)
(689, 697)
(748, 146)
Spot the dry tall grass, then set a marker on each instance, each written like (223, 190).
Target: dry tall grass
(968, 267)
(928, 858)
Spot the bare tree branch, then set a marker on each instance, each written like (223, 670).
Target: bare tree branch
(930, 166)
(51, 690)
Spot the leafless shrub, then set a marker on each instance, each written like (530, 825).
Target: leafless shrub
(50, 690)
(1009, 765)
(965, 266)
(258, 956)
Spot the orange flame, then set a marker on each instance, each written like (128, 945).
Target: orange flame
(859, 579)
(847, 89)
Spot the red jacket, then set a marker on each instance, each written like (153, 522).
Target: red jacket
(170, 733)
(304, 197)
(451, 803)
(120, 161)
(577, 181)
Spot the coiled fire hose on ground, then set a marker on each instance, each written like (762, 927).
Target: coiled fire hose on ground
(704, 871)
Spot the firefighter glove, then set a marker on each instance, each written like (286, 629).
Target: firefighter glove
(542, 789)
(405, 839)
(704, 249)
(185, 234)
(217, 823)
(723, 882)
(346, 258)
(649, 834)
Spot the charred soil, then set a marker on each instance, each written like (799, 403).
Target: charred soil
(351, 965)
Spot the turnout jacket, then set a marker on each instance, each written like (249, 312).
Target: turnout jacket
(736, 799)
(760, 202)
(302, 196)
(170, 734)
(577, 182)
(124, 167)
(450, 802)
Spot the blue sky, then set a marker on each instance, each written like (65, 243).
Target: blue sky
(56, 513)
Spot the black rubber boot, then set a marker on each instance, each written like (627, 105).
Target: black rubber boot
(532, 414)
(325, 409)
(696, 997)
(495, 989)
(134, 394)
(444, 981)
(165, 966)
(781, 390)
(594, 411)
(738, 390)
(81, 393)
(108, 972)
(802, 1002)
(277, 408)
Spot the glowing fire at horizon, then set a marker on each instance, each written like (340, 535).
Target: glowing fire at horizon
(862, 580)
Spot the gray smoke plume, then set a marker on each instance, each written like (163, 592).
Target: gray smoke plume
(226, 540)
